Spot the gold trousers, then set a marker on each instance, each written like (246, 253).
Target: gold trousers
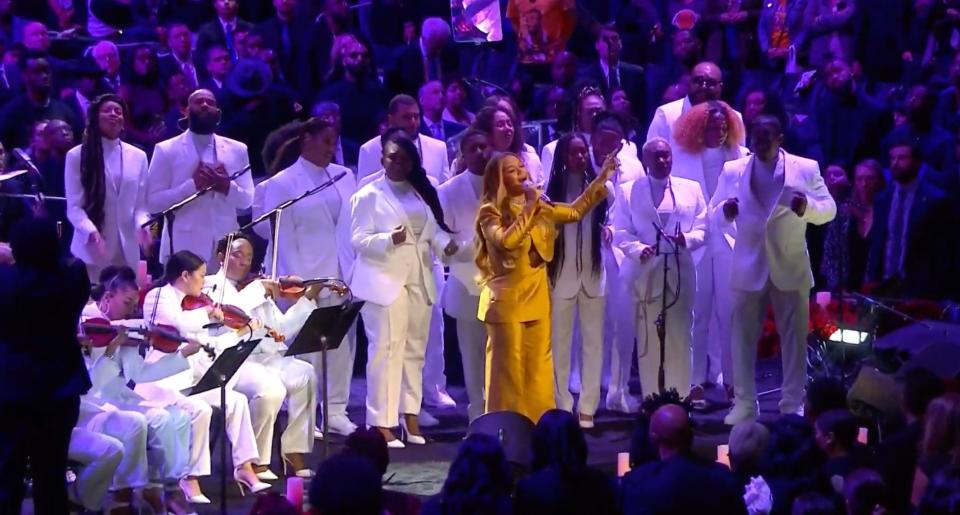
(519, 369)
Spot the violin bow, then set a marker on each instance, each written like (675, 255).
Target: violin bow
(226, 262)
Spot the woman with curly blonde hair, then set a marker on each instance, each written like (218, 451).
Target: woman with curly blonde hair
(706, 138)
(515, 234)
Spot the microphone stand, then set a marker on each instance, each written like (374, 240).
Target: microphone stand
(169, 214)
(274, 216)
(661, 322)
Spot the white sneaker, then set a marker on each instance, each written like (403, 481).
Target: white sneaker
(439, 398)
(740, 413)
(341, 425)
(427, 420)
(621, 403)
(317, 433)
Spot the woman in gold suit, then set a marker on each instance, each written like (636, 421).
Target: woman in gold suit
(516, 228)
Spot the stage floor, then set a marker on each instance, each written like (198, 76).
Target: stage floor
(421, 470)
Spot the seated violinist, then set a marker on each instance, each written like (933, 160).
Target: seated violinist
(292, 377)
(160, 455)
(163, 306)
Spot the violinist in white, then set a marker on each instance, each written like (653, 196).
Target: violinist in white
(706, 138)
(184, 275)
(396, 221)
(609, 133)
(762, 206)
(314, 241)
(671, 203)
(167, 449)
(189, 162)
(460, 199)
(267, 377)
(105, 185)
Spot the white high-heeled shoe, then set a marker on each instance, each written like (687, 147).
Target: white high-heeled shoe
(254, 488)
(192, 497)
(408, 437)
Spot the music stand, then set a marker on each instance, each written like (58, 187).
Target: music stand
(217, 376)
(324, 330)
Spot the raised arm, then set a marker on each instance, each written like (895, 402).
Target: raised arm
(596, 191)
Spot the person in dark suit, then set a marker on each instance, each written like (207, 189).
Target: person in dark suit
(667, 486)
(348, 151)
(180, 59)
(432, 100)
(37, 103)
(42, 373)
(286, 34)
(333, 21)
(731, 33)
(193, 13)
(87, 84)
(562, 483)
(221, 30)
(609, 72)
(936, 145)
(358, 93)
(910, 250)
(217, 65)
(431, 57)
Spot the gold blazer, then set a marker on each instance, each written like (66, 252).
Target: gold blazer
(518, 289)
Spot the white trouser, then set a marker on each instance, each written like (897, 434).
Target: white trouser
(472, 339)
(300, 389)
(590, 350)
(130, 428)
(339, 364)
(712, 361)
(679, 326)
(265, 392)
(395, 355)
(621, 329)
(239, 429)
(99, 456)
(168, 442)
(434, 367)
(792, 312)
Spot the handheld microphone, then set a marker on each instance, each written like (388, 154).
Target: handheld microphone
(528, 184)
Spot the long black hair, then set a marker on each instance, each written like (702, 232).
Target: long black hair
(558, 442)
(557, 189)
(418, 176)
(180, 262)
(93, 176)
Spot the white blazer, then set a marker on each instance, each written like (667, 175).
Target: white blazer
(380, 269)
(460, 206)
(665, 118)
(569, 281)
(771, 243)
(633, 220)
(198, 226)
(433, 154)
(311, 244)
(125, 208)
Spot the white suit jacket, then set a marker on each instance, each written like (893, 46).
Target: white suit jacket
(200, 224)
(433, 154)
(633, 220)
(380, 269)
(311, 244)
(460, 205)
(665, 118)
(125, 209)
(771, 244)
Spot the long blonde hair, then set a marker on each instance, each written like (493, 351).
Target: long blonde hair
(496, 195)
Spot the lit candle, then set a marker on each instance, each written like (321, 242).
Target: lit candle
(295, 492)
(862, 435)
(623, 463)
(723, 454)
(823, 299)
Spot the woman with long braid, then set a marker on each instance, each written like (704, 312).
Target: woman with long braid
(396, 221)
(105, 187)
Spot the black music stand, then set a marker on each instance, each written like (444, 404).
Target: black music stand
(324, 330)
(217, 376)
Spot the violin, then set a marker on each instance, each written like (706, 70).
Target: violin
(233, 317)
(295, 288)
(164, 338)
